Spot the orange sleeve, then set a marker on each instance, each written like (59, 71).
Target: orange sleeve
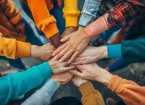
(130, 92)
(10, 11)
(90, 95)
(44, 21)
(14, 49)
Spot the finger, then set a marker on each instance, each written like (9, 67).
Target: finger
(59, 49)
(79, 59)
(73, 57)
(76, 73)
(62, 53)
(66, 38)
(68, 68)
(67, 55)
(65, 64)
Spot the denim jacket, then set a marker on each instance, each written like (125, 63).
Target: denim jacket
(89, 12)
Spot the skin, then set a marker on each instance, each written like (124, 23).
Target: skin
(78, 81)
(55, 40)
(43, 52)
(62, 78)
(76, 44)
(93, 72)
(91, 55)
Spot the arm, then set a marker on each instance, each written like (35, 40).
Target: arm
(14, 49)
(20, 83)
(89, 12)
(44, 21)
(116, 16)
(43, 96)
(129, 91)
(90, 95)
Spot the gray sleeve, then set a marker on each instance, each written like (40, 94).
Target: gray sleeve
(43, 96)
(89, 12)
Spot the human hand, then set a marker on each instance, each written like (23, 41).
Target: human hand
(93, 72)
(66, 37)
(20, 27)
(72, 48)
(62, 78)
(59, 67)
(91, 55)
(78, 81)
(55, 40)
(43, 52)
(68, 31)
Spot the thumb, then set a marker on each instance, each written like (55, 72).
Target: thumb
(65, 39)
(76, 73)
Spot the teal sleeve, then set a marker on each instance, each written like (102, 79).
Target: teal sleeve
(15, 85)
(114, 51)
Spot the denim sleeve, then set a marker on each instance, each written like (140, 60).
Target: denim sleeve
(43, 96)
(89, 12)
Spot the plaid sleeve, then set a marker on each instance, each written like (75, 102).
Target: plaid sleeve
(124, 10)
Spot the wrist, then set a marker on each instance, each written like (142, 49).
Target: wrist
(104, 77)
(34, 51)
(81, 83)
(104, 52)
(56, 80)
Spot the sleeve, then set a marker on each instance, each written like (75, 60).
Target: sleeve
(90, 95)
(71, 13)
(14, 49)
(133, 50)
(130, 92)
(43, 96)
(15, 85)
(89, 12)
(10, 11)
(123, 10)
(114, 51)
(44, 21)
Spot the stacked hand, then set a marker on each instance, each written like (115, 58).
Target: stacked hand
(76, 44)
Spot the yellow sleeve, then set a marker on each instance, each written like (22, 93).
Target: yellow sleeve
(90, 95)
(10, 11)
(44, 21)
(14, 49)
(71, 12)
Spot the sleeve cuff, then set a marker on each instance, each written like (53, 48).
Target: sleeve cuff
(71, 20)
(114, 83)
(45, 69)
(86, 19)
(114, 51)
(22, 49)
(51, 30)
(86, 87)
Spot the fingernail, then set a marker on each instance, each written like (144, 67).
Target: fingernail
(60, 60)
(54, 58)
(68, 62)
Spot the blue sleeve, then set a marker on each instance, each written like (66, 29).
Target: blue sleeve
(114, 51)
(15, 85)
(43, 96)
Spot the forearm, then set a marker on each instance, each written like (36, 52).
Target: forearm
(89, 12)
(71, 13)
(43, 96)
(55, 40)
(130, 92)
(15, 85)
(14, 49)
(44, 21)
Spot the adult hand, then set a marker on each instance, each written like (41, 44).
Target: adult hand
(93, 72)
(59, 67)
(78, 81)
(20, 27)
(91, 55)
(43, 52)
(68, 31)
(66, 37)
(72, 48)
(62, 78)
